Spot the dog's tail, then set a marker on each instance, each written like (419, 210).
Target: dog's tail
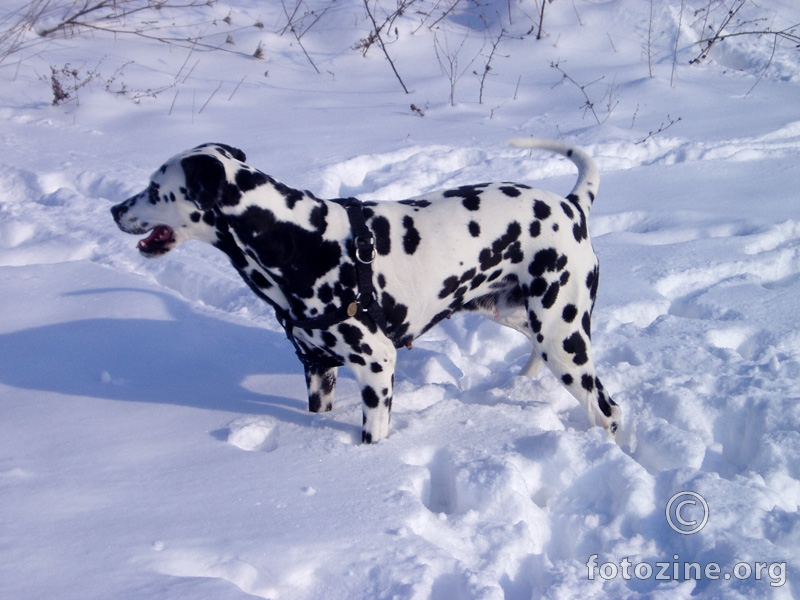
(588, 181)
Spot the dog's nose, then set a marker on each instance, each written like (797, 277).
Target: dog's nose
(118, 210)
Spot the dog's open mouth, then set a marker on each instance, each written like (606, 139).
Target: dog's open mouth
(158, 242)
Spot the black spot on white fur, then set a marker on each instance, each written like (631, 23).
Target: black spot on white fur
(411, 236)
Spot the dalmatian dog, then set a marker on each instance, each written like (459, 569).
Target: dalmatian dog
(351, 282)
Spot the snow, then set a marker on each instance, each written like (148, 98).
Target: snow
(154, 440)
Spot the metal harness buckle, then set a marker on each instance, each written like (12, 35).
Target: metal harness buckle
(365, 243)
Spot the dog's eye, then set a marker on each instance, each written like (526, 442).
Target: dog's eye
(152, 193)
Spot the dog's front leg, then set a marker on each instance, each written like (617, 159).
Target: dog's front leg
(376, 405)
(321, 384)
(376, 378)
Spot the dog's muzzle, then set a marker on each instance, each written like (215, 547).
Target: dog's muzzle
(159, 241)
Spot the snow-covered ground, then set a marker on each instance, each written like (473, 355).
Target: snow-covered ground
(154, 441)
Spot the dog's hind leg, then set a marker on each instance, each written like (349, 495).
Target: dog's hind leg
(568, 354)
(518, 321)
(533, 365)
(321, 384)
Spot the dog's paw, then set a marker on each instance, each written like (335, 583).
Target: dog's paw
(376, 425)
(613, 422)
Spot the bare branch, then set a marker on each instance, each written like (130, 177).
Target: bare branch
(664, 126)
(448, 62)
(789, 34)
(541, 21)
(766, 68)
(106, 16)
(610, 96)
(297, 35)
(377, 36)
(717, 36)
(488, 67)
(675, 49)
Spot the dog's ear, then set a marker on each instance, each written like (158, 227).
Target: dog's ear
(234, 152)
(230, 150)
(205, 179)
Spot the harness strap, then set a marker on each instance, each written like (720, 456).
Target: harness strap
(365, 253)
(366, 299)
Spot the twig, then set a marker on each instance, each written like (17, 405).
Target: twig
(106, 16)
(444, 14)
(289, 18)
(784, 34)
(449, 64)
(729, 15)
(290, 25)
(488, 66)
(706, 15)
(171, 106)
(188, 56)
(675, 49)
(241, 81)
(402, 6)
(382, 46)
(74, 20)
(180, 42)
(613, 47)
(589, 105)
(577, 14)
(541, 21)
(650, 41)
(743, 28)
(612, 97)
(635, 114)
(769, 63)
(197, 62)
(308, 56)
(662, 128)
(209, 98)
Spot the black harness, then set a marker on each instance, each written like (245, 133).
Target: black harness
(366, 298)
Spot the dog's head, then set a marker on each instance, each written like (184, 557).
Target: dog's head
(179, 203)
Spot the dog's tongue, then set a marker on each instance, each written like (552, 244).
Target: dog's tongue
(160, 234)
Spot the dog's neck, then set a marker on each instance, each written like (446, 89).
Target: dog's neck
(282, 242)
